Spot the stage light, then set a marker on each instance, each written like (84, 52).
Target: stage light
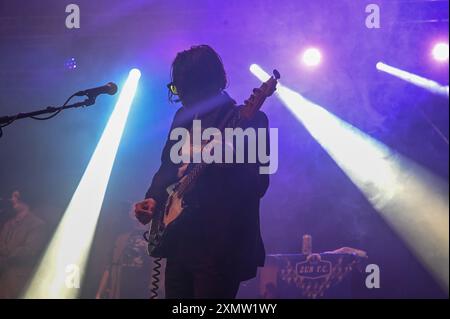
(440, 52)
(411, 200)
(71, 64)
(419, 81)
(65, 258)
(311, 57)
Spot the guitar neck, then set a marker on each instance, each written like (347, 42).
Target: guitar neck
(233, 120)
(191, 177)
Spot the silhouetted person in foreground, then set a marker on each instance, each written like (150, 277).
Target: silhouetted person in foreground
(219, 244)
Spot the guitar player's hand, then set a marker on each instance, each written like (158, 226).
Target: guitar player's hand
(144, 210)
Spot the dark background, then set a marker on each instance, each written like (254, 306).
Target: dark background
(309, 193)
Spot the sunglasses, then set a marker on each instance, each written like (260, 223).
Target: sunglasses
(172, 88)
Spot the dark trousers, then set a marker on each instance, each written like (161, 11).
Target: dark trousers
(199, 279)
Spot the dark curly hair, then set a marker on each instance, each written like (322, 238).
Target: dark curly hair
(198, 72)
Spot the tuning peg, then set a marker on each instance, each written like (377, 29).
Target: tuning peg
(276, 74)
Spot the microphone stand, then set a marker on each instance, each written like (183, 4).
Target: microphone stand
(6, 120)
(47, 110)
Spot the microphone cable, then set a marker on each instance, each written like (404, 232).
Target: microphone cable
(55, 113)
(156, 272)
(155, 278)
(35, 117)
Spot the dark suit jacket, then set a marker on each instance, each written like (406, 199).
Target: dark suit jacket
(222, 218)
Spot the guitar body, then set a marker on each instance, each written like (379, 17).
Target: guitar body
(158, 241)
(167, 216)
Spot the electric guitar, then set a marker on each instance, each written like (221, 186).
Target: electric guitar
(164, 216)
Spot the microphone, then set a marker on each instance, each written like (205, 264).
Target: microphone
(110, 88)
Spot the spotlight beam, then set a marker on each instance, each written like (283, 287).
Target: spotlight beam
(414, 202)
(419, 81)
(61, 269)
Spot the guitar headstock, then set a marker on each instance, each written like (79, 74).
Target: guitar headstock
(259, 95)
